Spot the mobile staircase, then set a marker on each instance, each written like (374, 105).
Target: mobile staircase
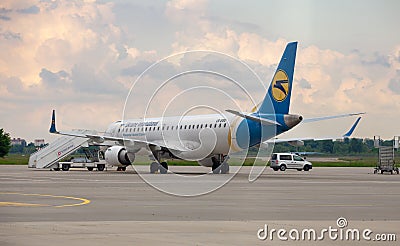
(49, 156)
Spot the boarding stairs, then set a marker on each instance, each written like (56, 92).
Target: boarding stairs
(57, 150)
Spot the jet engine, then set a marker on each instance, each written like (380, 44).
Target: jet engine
(296, 143)
(118, 156)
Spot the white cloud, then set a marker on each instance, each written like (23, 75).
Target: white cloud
(77, 57)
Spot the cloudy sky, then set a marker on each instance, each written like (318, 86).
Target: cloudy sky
(81, 57)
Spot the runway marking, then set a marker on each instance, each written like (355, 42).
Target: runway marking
(341, 205)
(333, 205)
(84, 201)
(21, 204)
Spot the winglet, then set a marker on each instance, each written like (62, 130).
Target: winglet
(53, 123)
(348, 134)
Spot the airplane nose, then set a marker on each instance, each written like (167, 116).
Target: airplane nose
(291, 120)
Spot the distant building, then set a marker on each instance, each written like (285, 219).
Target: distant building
(38, 142)
(18, 141)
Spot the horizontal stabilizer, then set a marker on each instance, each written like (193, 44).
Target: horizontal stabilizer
(253, 118)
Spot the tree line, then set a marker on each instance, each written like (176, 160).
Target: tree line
(348, 146)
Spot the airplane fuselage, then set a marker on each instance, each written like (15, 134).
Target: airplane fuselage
(227, 133)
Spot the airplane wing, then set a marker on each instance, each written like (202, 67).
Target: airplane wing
(308, 120)
(300, 141)
(123, 141)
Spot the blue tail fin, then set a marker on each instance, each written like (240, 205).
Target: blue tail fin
(280, 89)
(53, 123)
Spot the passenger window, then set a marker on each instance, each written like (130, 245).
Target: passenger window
(297, 158)
(189, 126)
(163, 128)
(181, 127)
(219, 125)
(206, 126)
(286, 157)
(215, 125)
(185, 127)
(201, 126)
(172, 127)
(225, 125)
(167, 128)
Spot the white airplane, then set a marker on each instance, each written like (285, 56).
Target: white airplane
(207, 139)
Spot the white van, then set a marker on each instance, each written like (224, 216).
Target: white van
(283, 161)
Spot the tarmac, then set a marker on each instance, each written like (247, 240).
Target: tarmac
(78, 207)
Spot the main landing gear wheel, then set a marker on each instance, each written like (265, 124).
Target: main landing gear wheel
(163, 167)
(224, 167)
(216, 166)
(153, 167)
(219, 167)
